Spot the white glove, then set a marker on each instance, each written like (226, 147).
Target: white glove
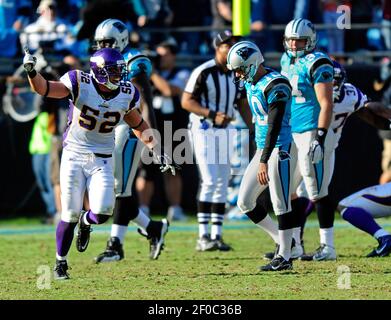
(316, 152)
(29, 60)
(166, 163)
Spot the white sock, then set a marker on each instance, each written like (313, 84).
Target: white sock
(217, 225)
(61, 258)
(119, 232)
(380, 233)
(285, 243)
(296, 235)
(327, 236)
(142, 220)
(270, 227)
(203, 220)
(145, 209)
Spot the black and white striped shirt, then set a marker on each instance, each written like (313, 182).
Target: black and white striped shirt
(213, 88)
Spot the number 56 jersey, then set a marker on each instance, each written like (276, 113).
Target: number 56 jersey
(92, 118)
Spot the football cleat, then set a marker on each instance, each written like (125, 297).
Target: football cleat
(323, 253)
(277, 264)
(297, 251)
(83, 235)
(113, 252)
(206, 244)
(271, 255)
(383, 249)
(60, 270)
(156, 242)
(220, 244)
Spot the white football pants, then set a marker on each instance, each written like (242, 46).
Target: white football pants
(376, 200)
(280, 170)
(80, 172)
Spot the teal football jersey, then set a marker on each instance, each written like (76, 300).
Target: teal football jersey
(271, 88)
(303, 74)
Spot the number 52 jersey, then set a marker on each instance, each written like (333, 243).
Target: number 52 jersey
(92, 118)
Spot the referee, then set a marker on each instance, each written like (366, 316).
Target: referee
(209, 96)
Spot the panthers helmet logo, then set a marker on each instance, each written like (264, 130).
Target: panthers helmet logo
(244, 53)
(310, 25)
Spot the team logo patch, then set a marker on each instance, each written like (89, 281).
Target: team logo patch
(244, 53)
(283, 155)
(326, 75)
(310, 25)
(280, 95)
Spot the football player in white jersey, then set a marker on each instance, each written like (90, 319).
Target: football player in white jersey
(98, 101)
(113, 33)
(361, 209)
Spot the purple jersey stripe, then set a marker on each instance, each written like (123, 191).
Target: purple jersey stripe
(386, 201)
(136, 98)
(69, 122)
(358, 99)
(75, 84)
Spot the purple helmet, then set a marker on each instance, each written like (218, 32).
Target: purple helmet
(339, 78)
(108, 67)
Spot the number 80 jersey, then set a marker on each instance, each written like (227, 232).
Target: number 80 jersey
(303, 73)
(91, 118)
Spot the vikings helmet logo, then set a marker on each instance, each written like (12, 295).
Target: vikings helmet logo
(244, 53)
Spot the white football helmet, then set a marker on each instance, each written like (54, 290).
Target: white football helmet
(246, 57)
(113, 31)
(300, 29)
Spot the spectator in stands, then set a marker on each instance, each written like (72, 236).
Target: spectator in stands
(152, 14)
(14, 16)
(386, 22)
(39, 148)
(48, 31)
(267, 12)
(335, 36)
(97, 11)
(221, 14)
(193, 13)
(361, 12)
(168, 81)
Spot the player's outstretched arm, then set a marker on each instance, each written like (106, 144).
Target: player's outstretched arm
(374, 119)
(139, 126)
(379, 109)
(52, 89)
(142, 131)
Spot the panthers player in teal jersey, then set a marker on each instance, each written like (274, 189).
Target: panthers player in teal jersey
(310, 73)
(115, 34)
(268, 96)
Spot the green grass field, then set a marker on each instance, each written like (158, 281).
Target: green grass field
(27, 251)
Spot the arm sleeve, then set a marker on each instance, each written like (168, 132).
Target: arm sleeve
(196, 85)
(135, 101)
(71, 81)
(362, 99)
(277, 97)
(322, 71)
(275, 116)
